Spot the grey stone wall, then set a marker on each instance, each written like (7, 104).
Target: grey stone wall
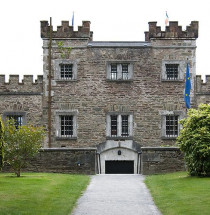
(22, 97)
(93, 96)
(156, 160)
(77, 161)
(202, 90)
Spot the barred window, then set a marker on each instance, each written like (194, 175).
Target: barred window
(114, 71)
(17, 118)
(66, 71)
(125, 126)
(119, 125)
(119, 71)
(172, 71)
(114, 125)
(171, 126)
(66, 126)
(125, 71)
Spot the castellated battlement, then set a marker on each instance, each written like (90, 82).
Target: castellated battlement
(172, 31)
(201, 87)
(66, 31)
(27, 86)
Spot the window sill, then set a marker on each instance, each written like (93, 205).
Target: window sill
(66, 138)
(119, 138)
(166, 80)
(65, 80)
(168, 138)
(120, 80)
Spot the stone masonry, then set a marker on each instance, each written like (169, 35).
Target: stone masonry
(91, 96)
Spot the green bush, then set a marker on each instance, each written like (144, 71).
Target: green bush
(194, 140)
(21, 144)
(1, 143)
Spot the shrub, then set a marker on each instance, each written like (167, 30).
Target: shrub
(1, 143)
(21, 144)
(194, 140)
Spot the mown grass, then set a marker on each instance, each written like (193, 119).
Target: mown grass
(40, 193)
(180, 194)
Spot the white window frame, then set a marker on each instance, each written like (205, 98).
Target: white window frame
(119, 125)
(57, 69)
(58, 124)
(165, 113)
(181, 70)
(119, 71)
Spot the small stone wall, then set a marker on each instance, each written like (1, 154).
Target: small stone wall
(161, 160)
(77, 161)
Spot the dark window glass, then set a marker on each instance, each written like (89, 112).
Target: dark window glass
(172, 71)
(125, 126)
(66, 71)
(114, 126)
(114, 71)
(171, 126)
(18, 120)
(66, 125)
(125, 71)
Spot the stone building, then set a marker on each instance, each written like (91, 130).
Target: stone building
(108, 106)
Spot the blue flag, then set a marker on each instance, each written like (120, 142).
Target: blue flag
(72, 21)
(187, 88)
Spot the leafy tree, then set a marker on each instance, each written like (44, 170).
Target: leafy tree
(1, 143)
(194, 140)
(21, 144)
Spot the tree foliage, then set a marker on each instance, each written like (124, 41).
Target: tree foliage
(1, 143)
(194, 140)
(21, 144)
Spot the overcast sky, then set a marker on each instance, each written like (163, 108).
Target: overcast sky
(111, 20)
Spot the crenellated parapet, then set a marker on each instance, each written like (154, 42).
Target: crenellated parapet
(27, 86)
(172, 31)
(66, 31)
(201, 87)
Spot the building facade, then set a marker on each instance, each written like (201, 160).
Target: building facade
(118, 100)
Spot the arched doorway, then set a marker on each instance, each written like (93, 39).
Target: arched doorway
(118, 157)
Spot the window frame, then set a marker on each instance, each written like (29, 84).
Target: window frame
(67, 71)
(119, 72)
(63, 113)
(119, 135)
(181, 70)
(15, 113)
(164, 114)
(57, 69)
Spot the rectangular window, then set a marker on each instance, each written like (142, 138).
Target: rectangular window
(125, 71)
(124, 126)
(66, 126)
(66, 71)
(119, 71)
(114, 71)
(172, 71)
(17, 118)
(171, 126)
(119, 126)
(114, 125)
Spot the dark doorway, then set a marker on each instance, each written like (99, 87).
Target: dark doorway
(119, 167)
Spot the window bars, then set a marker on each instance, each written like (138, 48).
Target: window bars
(66, 126)
(66, 71)
(171, 126)
(172, 71)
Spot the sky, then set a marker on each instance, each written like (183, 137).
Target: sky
(119, 20)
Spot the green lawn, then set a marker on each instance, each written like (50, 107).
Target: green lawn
(179, 194)
(40, 193)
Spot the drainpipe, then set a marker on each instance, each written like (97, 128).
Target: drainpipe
(99, 163)
(139, 163)
(49, 87)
